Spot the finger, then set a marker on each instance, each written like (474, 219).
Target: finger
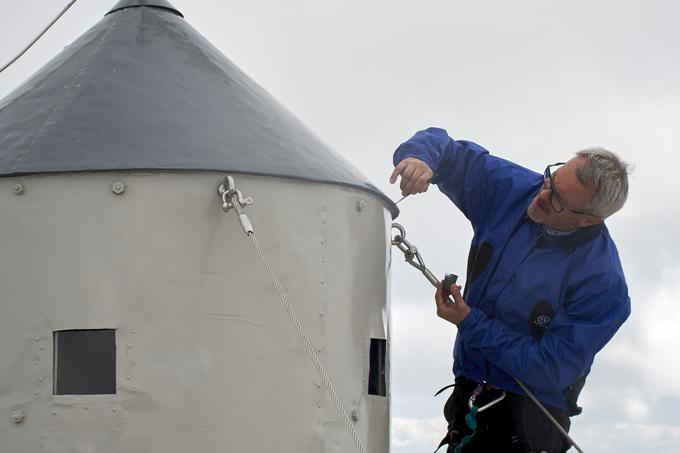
(397, 171)
(421, 173)
(406, 178)
(440, 295)
(455, 292)
(423, 182)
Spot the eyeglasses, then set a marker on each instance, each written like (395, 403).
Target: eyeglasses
(555, 199)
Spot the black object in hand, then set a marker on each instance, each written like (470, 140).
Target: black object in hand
(450, 279)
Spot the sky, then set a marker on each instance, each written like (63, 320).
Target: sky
(533, 81)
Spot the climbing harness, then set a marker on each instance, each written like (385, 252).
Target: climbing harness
(412, 256)
(232, 198)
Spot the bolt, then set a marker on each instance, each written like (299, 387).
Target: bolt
(118, 187)
(355, 416)
(18, 188)
(17, 416)
(361, 205)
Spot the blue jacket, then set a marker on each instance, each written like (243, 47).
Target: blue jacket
(541, 306)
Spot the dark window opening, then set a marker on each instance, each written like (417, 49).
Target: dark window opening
(376, 375)
(85, 362)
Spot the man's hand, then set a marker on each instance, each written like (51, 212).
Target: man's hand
(453, 313)
(415, 176)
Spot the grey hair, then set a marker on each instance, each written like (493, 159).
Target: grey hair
(609, 175)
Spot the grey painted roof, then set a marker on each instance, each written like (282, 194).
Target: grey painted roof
(142, 90)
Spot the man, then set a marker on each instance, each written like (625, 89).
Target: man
(544, 292)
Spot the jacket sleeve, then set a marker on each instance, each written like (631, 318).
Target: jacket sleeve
(588, 320)
(475, 181)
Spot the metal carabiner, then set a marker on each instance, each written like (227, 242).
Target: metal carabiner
(478, 391)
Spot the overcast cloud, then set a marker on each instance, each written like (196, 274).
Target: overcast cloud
(533, 81)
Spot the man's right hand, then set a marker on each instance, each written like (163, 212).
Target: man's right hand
(415, 176)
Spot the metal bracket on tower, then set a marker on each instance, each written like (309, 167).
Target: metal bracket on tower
(232, 198)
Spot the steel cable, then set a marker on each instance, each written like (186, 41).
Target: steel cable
(308, 344)
(38, 37)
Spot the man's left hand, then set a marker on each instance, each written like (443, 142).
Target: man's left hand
(454, 313)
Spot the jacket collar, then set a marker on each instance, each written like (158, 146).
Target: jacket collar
(571, 241)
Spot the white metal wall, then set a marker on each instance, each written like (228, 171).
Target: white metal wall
(207, 357)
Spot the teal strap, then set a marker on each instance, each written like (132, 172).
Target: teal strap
(471, 420)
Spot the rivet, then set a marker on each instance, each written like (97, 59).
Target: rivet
(85, 407)
(355, 416)
(36, 393)
(134, 390)
(134, 331)
(17, 416)
(361, 205)
(133, 363)
(318, 386)
(128, 377)
(37, 362)
(18, 188)
(41, 379)
(129, 346)
(324, 221)
(114, 410)
(118, 187)
(42, 347)
(319, 350)
(319, 406)
(54, 412)
(37, 338)
(321, 281)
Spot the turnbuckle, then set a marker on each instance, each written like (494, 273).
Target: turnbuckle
(411, 253)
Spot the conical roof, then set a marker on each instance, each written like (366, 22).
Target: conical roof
(142, 90)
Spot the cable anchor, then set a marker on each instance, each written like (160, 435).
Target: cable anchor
(232, 198)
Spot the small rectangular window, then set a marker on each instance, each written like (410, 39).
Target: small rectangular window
(376, 375)
(85, 362)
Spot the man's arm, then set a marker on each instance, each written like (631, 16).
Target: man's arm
(475, 181)
(566, 350)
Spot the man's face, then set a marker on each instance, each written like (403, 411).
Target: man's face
(575, 197)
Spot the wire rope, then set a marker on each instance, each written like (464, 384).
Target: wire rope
(44, 30)
(308, 344)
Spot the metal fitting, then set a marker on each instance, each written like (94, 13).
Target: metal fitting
(118, 187)
(18, 188)
(361, 205)
(17, 416)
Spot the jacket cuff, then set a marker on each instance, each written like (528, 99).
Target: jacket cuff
(410, 149)
(467, 326)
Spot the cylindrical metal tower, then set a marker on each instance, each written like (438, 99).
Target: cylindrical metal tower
(135, 315)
